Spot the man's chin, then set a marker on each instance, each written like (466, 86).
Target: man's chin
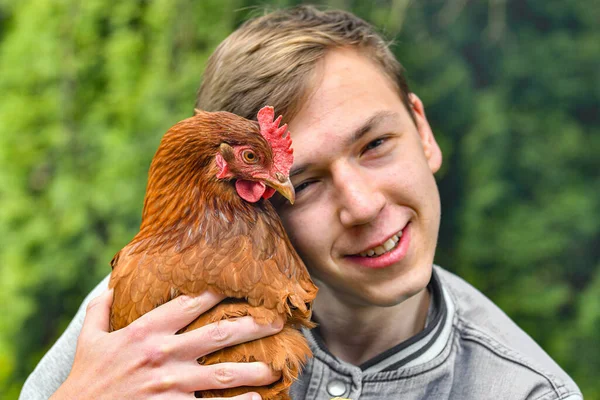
(396, 291)
(385, 300)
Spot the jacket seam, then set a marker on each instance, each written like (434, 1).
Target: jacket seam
(560, 397)
(501, 350)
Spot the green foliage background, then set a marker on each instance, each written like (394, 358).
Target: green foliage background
(512, 90)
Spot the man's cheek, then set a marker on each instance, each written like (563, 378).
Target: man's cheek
(300, 230)
(292, 228)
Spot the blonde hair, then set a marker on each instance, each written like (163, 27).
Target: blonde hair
(271, 60)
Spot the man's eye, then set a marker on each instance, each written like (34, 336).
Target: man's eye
(302, 186)
(374, 143)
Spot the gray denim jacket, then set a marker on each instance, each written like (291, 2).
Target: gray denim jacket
(469, 350)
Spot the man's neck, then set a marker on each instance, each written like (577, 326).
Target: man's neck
(357, 334)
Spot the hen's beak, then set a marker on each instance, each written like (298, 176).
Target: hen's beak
(282, 184)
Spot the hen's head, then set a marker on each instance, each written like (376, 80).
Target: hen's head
(260, 165)
(216, 156)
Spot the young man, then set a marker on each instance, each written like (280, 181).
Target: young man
(365, 221)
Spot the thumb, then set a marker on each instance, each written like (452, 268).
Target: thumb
(97, 314)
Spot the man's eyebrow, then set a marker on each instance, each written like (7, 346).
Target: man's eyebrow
(358, 133)
(298, 170)
(369, 124)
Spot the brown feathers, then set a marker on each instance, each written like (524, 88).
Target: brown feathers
(197, 234)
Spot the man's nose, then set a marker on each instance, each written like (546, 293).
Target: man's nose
(359, 199)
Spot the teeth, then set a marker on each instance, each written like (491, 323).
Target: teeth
(384, 248)
(379, 250)
(389, 244)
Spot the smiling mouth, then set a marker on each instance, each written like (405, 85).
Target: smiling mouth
(386, 247)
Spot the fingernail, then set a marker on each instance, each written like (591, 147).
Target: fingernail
(256, 396)
(108, 293)
(277, 324)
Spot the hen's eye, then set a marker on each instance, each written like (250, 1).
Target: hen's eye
(249, 156)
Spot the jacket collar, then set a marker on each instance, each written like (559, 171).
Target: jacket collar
(419, 349)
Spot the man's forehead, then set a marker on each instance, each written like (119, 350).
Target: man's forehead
(340, 79)
(350, 94)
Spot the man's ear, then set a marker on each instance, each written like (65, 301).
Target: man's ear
(432, 151)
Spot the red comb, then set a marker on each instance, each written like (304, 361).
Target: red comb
(274, 134)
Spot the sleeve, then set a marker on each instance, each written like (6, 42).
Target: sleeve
(55, 366)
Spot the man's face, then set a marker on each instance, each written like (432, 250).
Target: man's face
(363, 172)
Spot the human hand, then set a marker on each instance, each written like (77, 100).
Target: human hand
(147, 359)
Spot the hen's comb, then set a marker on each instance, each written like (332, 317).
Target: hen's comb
(274, 134)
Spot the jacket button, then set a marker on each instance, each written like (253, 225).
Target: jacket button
(336, 388)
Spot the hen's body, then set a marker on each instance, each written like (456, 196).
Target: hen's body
(198, 234)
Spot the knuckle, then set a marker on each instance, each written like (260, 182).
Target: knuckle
(166, 383)
(155, 355)
(187, 303)
(137, 331)
(223, 375)
(161, 382)
(218, 332)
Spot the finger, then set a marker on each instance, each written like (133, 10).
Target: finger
(227, 375)
(179, 312)
(97, 314)
(218, 335)
(245, 396)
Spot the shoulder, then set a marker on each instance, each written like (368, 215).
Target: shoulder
(490, 342)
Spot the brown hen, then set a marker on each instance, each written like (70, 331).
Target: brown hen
(206, 225)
